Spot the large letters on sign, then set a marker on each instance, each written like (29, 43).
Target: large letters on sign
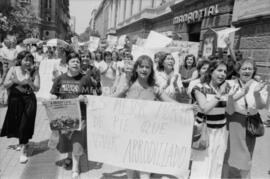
(141, 135)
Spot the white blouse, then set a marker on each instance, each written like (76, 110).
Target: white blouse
(240, 106)
(162, 79)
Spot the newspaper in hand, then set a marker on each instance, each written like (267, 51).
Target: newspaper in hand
(64, 114)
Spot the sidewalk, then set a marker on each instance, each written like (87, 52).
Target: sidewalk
(42, 164)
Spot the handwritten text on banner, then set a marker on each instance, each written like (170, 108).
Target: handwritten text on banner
(141, 135)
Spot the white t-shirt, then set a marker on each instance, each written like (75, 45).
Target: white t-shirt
(162, 81)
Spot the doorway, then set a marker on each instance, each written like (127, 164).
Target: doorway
(194, 32)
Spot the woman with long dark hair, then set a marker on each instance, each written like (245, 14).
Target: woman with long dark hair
(142, 86)
(22, 81)
(210, 95)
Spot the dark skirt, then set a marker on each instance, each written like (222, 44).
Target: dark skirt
(74, 142)
(20, 117)
(240, 144)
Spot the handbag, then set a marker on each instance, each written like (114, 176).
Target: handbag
(201, 140)
(254, 124)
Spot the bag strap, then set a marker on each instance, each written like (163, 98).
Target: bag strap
(246, 104)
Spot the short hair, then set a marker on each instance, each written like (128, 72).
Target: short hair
(72, 55)
(162, 58)
(107, 53)
(129, 56)
(24, 54)
(249, 60)
(194, 60)
(159, 54)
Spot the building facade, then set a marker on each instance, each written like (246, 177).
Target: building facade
(134, 18)
(192, 20)
(55, 19)
(253, 39)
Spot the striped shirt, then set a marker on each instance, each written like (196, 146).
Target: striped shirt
(215, 118)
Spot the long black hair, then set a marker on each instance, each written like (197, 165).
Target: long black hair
(151, 79)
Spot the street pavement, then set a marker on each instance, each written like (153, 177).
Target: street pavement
(46, 163)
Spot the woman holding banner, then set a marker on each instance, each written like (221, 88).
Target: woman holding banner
(142, 86)
(22, 81)
(210, 95)
(72, 84)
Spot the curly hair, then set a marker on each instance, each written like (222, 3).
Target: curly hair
(151, 79)
(72, 55)
(162, 58)
(24, 54)
(213, 65)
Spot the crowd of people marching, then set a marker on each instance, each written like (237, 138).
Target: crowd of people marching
(224, 89)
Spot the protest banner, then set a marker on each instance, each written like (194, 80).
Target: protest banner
(63, 114)
(141, 135)
(75, 43)
(121, 42)
(223, 34)
(209, 44)
(93, 43)
(137, 51)
(184, 48)
(178, 49)
(140, 41)
(112, 42)
(46, 75)
(156, 40)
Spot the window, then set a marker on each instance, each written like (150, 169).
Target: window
(48, 18)
(48, 4)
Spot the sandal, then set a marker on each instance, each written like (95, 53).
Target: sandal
(67, 163)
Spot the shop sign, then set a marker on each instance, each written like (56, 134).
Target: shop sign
(196, 15)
